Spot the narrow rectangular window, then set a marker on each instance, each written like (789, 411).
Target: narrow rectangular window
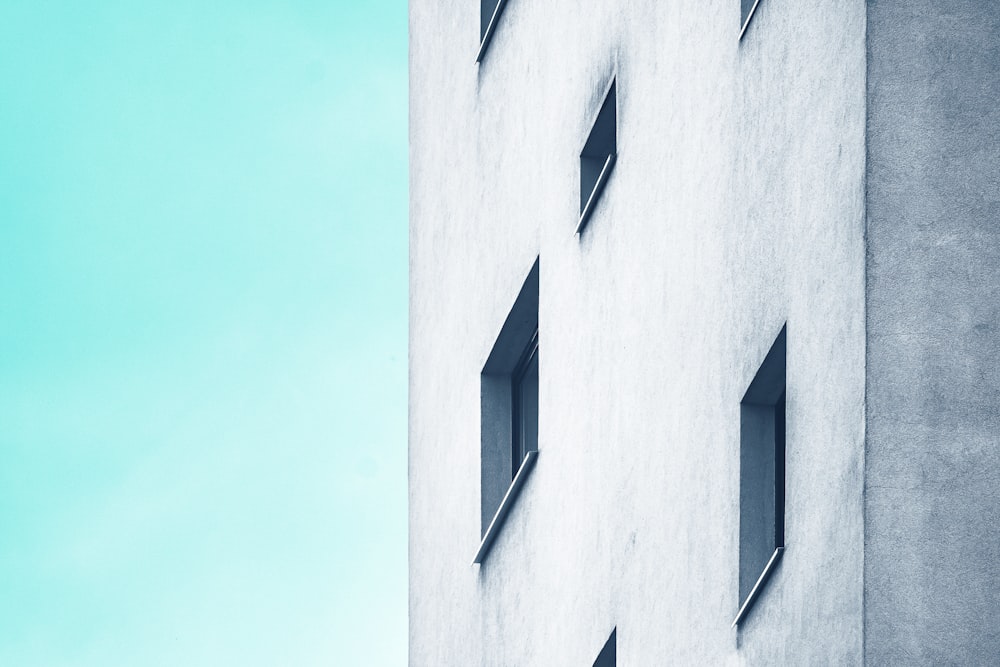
(762, 476)
(598, 155)
(509, 412)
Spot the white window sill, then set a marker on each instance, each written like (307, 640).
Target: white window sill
(488, 35)
(759, 586)
(508, 501)
(596, 192)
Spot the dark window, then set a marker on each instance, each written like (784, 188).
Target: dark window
(608, 657)
(598, 155)
(509, 412)
(762, 476)
(747, 9)
(489, 14)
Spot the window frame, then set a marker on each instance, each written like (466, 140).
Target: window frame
(518, 450)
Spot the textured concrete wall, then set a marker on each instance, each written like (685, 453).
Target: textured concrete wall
(932, 528)
(736, 204)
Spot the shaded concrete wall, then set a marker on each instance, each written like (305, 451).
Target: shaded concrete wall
(736, 204)
(932, 491)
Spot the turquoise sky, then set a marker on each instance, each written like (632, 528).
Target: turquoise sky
(203, 332)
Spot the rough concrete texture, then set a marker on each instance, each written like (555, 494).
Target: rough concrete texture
(736, 204)
(932, 491)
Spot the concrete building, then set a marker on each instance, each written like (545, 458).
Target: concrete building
(705, 317)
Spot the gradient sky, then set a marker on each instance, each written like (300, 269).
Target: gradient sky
(203, 288)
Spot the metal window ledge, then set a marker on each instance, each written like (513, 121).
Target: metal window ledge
(596, 192)
(488, 35)
(508, 501)
(757, 587)
(743, 28)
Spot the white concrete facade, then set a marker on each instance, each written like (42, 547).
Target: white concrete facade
(737, 205)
